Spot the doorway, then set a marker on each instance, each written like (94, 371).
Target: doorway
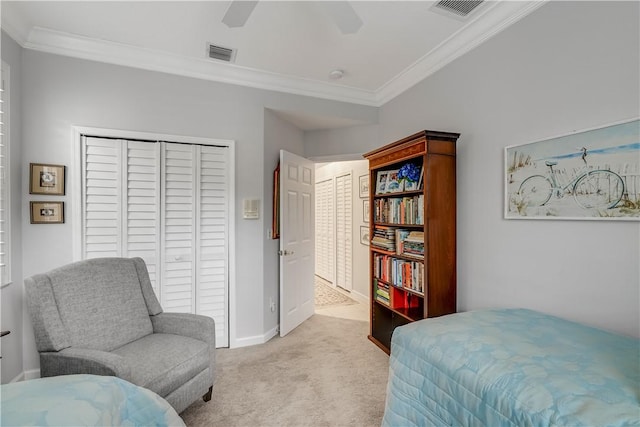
(342, 260)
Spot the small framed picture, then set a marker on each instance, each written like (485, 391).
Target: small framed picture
(414, 185)
(394, 184)
(364, 235)
(381, 182)
(365, 211)
(46, 179)
(364, 186)
(47, 212)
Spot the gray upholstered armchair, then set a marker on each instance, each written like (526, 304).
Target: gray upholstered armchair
(101, 316)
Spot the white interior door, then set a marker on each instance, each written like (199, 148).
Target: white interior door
(296, 241)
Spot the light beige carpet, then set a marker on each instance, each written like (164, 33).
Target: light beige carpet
(324, 373)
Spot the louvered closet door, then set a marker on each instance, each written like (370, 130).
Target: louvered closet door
(142, 200)
(178, 227)
(211, 292)
(324, 229)
(344, 229)
(168, 204)
(121, 193)
(195, 229)
(102, 206)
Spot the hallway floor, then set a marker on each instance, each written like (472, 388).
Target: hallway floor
(358, 311)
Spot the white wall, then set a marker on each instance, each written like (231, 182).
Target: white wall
(345, 143)
(360, 253)
(11, 296)
(568, 66)
(59, 92)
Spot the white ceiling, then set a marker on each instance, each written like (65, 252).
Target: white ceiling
(285, 45)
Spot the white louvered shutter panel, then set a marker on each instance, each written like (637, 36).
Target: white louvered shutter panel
(329, 230)
(212, 260)
(4, 190)
(142, 203)
(343, 231)
(348, 235)
(102, 190)
(179, 232)
(324, 229)
(319, 268)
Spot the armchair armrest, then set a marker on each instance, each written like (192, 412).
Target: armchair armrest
(195, 326)
(83, 361)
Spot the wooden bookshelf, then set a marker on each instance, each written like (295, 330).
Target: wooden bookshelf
(430, 209)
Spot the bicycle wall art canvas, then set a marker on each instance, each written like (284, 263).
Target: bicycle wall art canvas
(592, 174)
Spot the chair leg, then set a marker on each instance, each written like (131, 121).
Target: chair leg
(207, 396)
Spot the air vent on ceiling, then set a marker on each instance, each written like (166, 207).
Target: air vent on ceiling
(221, 53)
(457, 8)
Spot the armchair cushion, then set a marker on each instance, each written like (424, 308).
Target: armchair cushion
(163, 362)
(100, 303)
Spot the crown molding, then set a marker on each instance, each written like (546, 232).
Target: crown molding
(494, 19)
(60, 43)
(484, 26)
(17, 29)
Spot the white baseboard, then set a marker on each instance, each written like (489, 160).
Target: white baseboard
(363, 299)
(31, 374)
(256, 339)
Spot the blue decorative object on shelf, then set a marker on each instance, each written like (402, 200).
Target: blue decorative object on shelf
(409, 172)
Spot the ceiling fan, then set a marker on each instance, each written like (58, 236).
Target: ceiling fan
(342, 13)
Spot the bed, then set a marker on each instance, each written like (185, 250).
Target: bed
(511, 367)
(83, 400)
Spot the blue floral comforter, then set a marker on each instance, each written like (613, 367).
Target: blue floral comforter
(511, 367)
(83, 400)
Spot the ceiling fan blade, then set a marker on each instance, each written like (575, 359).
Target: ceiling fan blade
(344, 15)
(238, 12)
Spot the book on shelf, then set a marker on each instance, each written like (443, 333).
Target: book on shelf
(382, 292)
(384, 238)
(401, 235)
(411, 244)
(398, 272)
(399, 210)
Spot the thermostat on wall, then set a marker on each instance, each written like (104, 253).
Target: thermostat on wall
(250, 209)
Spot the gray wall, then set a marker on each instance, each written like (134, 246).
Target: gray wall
(59, 92)
(11, 296)
(568, 66)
